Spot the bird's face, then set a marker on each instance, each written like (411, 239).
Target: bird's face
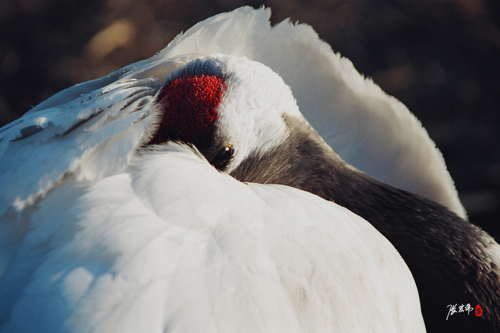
(230, 108)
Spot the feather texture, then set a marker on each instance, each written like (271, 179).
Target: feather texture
(99, 234)
(350, 112)
(369, 129)
(208, 254)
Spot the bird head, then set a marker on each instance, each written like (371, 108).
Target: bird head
(230, 108)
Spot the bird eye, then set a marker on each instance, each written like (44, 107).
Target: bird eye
(223, 156)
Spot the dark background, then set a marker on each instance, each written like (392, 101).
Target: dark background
(439, 57)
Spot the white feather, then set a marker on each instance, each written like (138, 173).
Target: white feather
(94, 237)
(173, 245)
(38, 149)
(369, 129)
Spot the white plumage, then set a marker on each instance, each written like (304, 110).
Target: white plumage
(98, 237)
(173, 245)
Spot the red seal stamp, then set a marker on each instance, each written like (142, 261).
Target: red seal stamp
(479, 311)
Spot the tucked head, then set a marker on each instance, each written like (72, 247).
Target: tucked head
(230, 108)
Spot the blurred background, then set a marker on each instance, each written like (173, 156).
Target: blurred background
(439, 57)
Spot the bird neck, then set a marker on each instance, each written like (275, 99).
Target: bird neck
(452, 260)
